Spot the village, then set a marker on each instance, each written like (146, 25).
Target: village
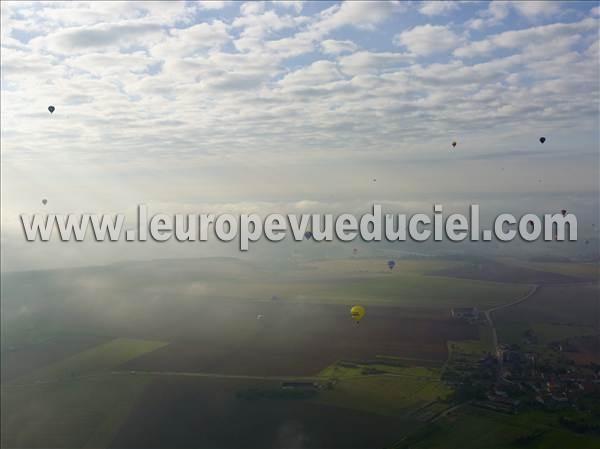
(528, 375)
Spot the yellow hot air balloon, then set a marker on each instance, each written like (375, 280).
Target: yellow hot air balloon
(357, 312)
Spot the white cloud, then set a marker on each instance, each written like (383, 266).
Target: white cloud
(427, 39)
(212, 5)
(364, 15)
(288, 47)
(334, 47)
(318, 73)
(474, 49)
(97, 37)
(107, 64)
(534, 10)
(81, 13)
(132, 89)
(437, 8)
(252, 8)
(519, 39)
(494, 15)
(191, 40)
(363, 62)
(257, 24)
(296, 5)
(498, 11)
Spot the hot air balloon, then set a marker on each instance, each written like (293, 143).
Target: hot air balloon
(51, 109)
(563, 212)
(308, 235)
(357, 312)
(391, 264)
(44, 201)
(542, 139)
(454, 144)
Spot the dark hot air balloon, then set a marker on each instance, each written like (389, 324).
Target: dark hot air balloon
(51, 109)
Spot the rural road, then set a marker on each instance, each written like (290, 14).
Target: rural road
(279, 378)
(210, 376)
(224, 376)
(168, 373)
(488, 316)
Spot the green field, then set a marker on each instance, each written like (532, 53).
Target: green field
(513, 332)
(475, 428)
(126, 302)
(76, 413)
(370, 281)
(392, 394)
(84, 399)
(97, 360)
(342, 370)
(554, 313)
(582, 270)
(76, 402)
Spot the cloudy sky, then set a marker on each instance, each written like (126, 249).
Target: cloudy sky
(289, 106)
